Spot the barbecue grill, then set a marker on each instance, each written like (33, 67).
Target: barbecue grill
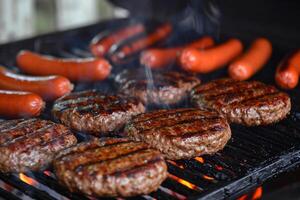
(252, 155)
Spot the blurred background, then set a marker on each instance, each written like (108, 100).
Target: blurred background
(25, 18)
(276, 19)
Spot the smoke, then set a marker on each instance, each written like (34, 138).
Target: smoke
(200, 16)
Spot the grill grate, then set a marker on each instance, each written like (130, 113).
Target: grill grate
(251, 156)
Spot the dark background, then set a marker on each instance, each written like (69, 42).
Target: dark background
(277, 20)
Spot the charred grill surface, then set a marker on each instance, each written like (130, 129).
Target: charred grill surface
(249, 103)
(31, 144)
(181, 133)
(169, 87)
(111, 167)
(96, 113)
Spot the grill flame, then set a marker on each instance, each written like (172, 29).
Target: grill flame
(199, 159)
(176, 164)
(255, 195)
(208, 177)
(184, 182)
(27, 179)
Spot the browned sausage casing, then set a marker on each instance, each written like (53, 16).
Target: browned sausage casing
(159, 58)
(75, 69)
(251, 61)
(159, 34)
(206, 61)
(48, 87)
(287, 72)
(16, 104)
(100, 47)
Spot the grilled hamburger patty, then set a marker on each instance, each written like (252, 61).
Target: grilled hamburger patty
(156, 87)
(244, 102)
(111, 167)
(181, 133)
(31, 144)
(93, 112)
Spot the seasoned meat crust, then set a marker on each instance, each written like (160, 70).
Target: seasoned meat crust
(181, 133)
(31, 144)
(249, 103)
(95, 113)
(156, 87)
(111, 167)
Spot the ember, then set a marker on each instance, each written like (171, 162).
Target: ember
(255, 195)
(28, 180)
(185, 183)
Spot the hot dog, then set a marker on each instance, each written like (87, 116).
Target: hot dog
(16, 104)
(206, 61)
(101, 46)
(160, 33)
(251, 61)
(158, 58)
(48, 87)
(287, 72)
(87, 69)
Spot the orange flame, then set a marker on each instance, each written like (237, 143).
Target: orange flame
(208, 177)
(27, 179)
(184, 182)
(199, 159)
(257, 194)
(176, 164)
(244, 197)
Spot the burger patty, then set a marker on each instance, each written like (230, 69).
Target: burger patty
(249, 103)
(31, 144)
(181, 133)
(96, 113)
(156, 87)
(111, 167)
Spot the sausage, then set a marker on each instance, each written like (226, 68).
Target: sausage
(101, 46)
(206, 61)
(251, 61)
(75, 69)
(16, 104)
(287, 72)
(48, 87)
(158, 58)
(159, 34)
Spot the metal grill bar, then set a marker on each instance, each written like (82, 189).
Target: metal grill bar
(8, 195)
(54, 185)
(27, 189)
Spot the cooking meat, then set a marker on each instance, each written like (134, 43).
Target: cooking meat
(181, 133)
(111, 167)
(249, 103)
(96, 113)
(156, 87)
(31, 144)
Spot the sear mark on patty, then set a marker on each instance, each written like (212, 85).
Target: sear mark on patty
(31, 144)
(96, 113)
(181, 133)
(111, 167)
(249, 103)
(169, 87)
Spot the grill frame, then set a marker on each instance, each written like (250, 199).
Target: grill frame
(278, 146)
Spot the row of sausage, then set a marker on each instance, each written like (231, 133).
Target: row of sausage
(52, 76)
